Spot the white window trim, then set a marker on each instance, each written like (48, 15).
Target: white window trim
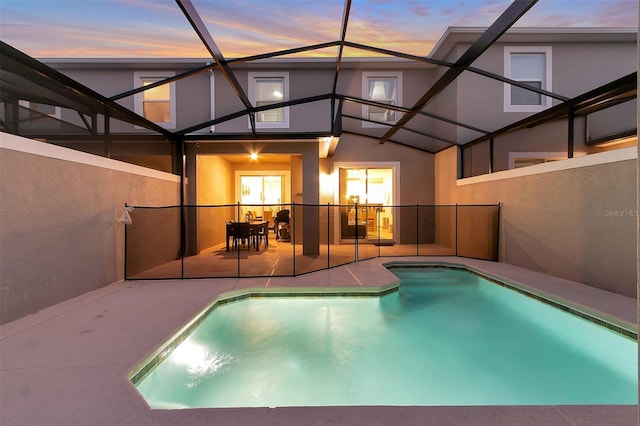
(548, 86)
(57, 114)
(252, 98)
(212, 88)
(365, 95)
(138, 78)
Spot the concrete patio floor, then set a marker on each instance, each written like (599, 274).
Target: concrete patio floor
(68, 364)
(281, 259)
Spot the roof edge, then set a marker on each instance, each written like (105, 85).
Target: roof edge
(454, 35)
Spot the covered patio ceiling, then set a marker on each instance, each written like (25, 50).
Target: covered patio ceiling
(25, 78)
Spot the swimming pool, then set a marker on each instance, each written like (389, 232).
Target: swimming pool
(445, 337)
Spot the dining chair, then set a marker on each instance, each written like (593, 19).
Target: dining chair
(243, 235)
(262, 235)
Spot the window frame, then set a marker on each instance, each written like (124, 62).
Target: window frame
(366, 75)
(547, 81)
(253, 76)
(138, 99)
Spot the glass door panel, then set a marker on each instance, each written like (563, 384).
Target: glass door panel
(263, 192)
(379, 201)
(372, 190)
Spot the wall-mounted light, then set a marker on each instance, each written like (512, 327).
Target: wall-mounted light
(327, 185)
(254, 156)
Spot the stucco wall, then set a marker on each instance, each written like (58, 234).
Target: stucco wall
(215, 177)
(59, 232)
(415, 176)
(576, 223)
(576, 69)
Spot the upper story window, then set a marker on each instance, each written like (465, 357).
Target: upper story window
(385, 88)
(159, 103)
(267, 88)
(530, 65)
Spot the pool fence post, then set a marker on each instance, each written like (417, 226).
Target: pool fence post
(125, 247)
(456, 225)
(183, 239)
(238, 254)
(378, 211)
(292, 235)
(497, 254)
(328, 235)
(356, 234)
(417, 227)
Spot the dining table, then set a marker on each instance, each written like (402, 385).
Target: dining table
(255, 227)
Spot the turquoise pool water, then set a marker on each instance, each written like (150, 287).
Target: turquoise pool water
(446, 337)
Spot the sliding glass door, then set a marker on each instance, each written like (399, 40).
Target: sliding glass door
(372, 190)
(261, 190)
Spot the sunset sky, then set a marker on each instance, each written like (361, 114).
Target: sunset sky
(157, 28)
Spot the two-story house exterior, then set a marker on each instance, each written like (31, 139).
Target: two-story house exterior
(323, 146)
(300, 147)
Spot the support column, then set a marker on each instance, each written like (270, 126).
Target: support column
(311, 195)
(12, 116)
(190, 213)
(571, 133)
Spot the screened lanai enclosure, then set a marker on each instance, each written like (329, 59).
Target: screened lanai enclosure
(275, 249)
(298, 130)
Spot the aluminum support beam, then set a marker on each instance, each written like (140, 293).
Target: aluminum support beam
(433, 61)
(417, 132)
(164, 81)
(592, 101)
(408, 56)
(66, 88)
(283, 52)
(493, 33)
(406, 110)
(570, 133)
(200, 28)
(348, 132)
(343, 35)
(256, 109)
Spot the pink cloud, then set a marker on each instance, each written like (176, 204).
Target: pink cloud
(420, 10)
(242, 28)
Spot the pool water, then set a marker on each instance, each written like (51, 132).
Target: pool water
(447, 337)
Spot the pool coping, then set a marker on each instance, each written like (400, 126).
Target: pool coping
(595, 316)
(92, 342)
(140, 370)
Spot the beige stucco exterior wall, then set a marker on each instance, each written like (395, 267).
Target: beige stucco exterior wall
(416, 171)
(59, 234)
(577, 223)
(303, 166)
(215, 177)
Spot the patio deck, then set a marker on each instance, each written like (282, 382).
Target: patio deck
(68, 364)
(282, 259)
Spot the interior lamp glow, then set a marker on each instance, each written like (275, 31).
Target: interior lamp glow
(254, 156)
